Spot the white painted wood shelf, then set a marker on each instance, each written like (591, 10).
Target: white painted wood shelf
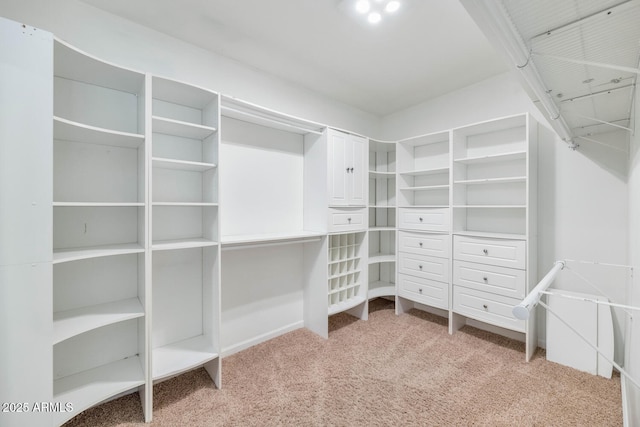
(181, 128)
(75, 254)
(67, 324)
(69, 130)
(98, 204)
(251, 239)
(381, 289)
(87, 388)
(346, 305)
(499, 157)
(505, 180)
(195, 204)
(424, 172)
(376, 258)
(181, 356)
(164, 163)
(425, 187)
(166, 245)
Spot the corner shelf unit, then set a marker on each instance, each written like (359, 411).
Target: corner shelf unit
(382, 219)
(185, 247)
(99, 231)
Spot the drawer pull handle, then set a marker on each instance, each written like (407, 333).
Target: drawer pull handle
(485, 306)
(420, 219)
(420, 290)
(420, 244)
(485, 251)
(420, 266)
(485, 279)
(349, 219)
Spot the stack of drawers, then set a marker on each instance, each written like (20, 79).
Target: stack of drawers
(489, 278)
(424, 267)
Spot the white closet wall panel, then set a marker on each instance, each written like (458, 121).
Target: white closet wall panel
(263, 172)
(263, 294)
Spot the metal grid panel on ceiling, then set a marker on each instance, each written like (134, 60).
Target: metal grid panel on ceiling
(586, 52)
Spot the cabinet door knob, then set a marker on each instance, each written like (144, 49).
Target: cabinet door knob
(347, 170)
(485, 306)
(420, 219)
(351, 170)
(420, 266)
(420, 290)
(485, 279)
(485, 251)
(349, 219)
(420, 244)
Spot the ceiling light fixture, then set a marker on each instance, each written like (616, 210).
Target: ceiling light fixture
(373, 10)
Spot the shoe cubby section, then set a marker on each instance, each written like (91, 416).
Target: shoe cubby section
(346, 272)
(99, 231)
(184, 223)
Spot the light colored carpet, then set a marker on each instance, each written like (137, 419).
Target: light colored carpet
(388, 371)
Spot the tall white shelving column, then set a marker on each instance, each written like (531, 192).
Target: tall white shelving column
(184, 229)
(100, 302)
(26, 88)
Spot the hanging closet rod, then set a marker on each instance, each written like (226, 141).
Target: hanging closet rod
(268, 119)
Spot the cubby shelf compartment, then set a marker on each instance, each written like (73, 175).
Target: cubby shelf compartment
(75, 254)
(67, 324)
(180, 356)
(68, 130)
(181, 128)
(164, 163)
(87, 388)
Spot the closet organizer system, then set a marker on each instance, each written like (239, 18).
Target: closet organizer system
(130, 285)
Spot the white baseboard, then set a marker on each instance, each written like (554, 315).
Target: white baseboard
(235, 348)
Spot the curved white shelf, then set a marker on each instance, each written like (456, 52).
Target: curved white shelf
(166, 245)
(500, 157)
(182, 129)
(381, 289)
(249, 239)
(383, 174)
(382, 229)
(87, 388)
(75, 254)
(67, 324)
(180, 356)
(383, 206)
(185, 165)
(68, 130)
(345, 305)
(425, 206)
(377, 258)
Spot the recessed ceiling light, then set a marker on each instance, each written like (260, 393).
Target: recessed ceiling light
(392, 6)
(363, 6)
(374, 17)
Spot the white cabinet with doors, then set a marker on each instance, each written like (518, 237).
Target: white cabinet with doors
(347, 169)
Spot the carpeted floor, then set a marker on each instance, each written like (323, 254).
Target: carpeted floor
(388, 371)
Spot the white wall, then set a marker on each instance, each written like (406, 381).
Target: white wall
(632, 360)
(122, 42)
(582, 194)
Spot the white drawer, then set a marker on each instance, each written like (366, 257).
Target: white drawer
(424, 244)
(434, 219)
(425, 267)
(509, 282)
(424, 291)
(489, 308)
(501, 252)
(347, 219)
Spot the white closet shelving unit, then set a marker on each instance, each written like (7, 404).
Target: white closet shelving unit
(100, 298)
(346, 288)
(494, 222)
(382, 219)
(424, 258)
(274, 245)
(184, 122)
